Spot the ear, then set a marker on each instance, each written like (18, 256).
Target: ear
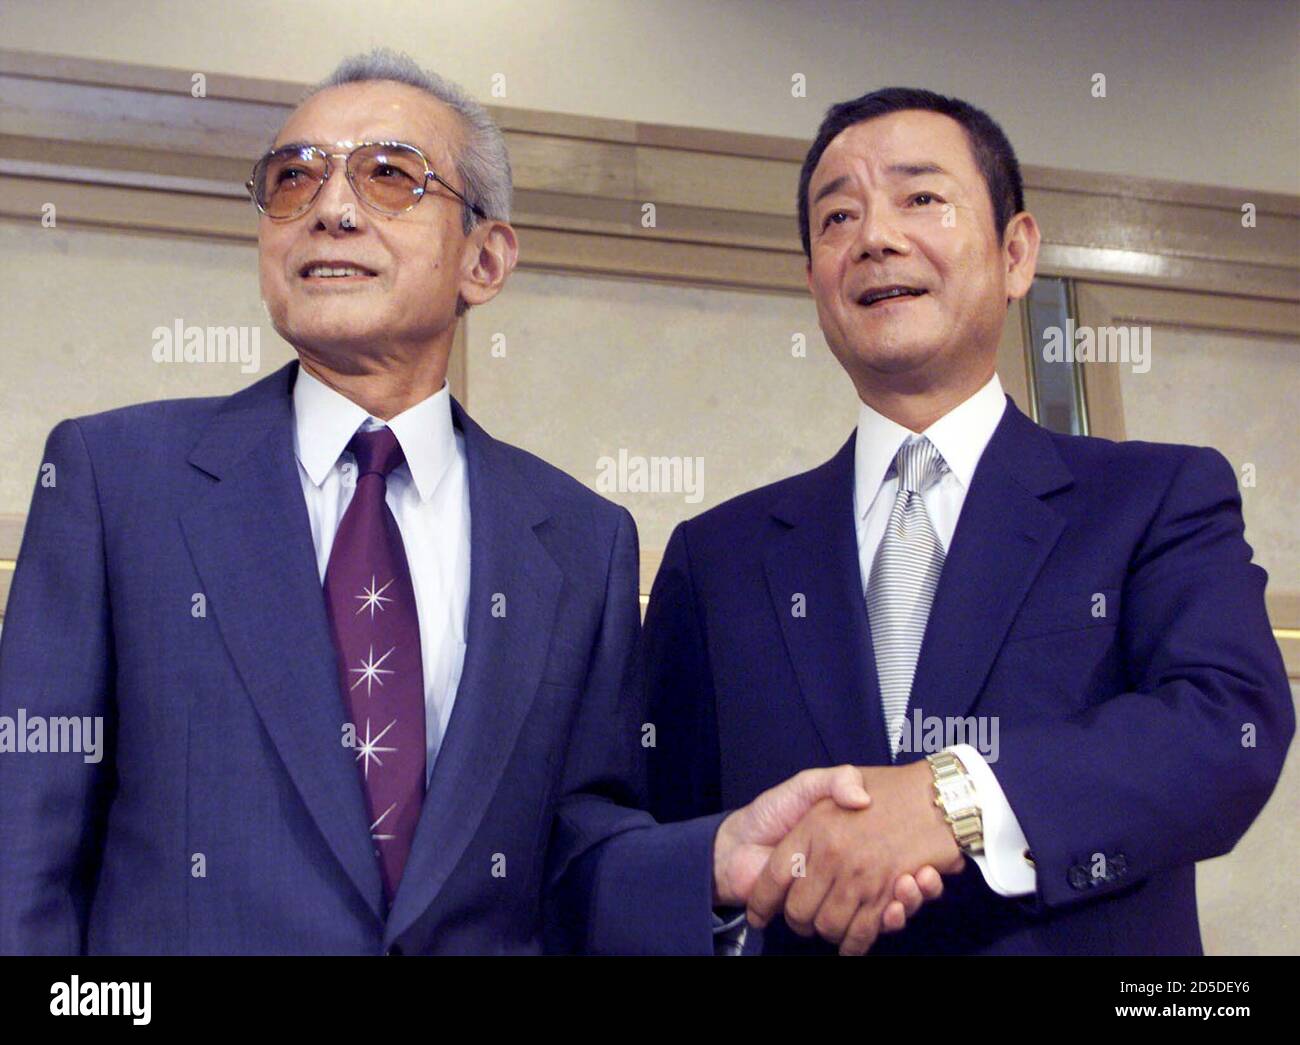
(807, 273)
(491, 251)
(1020, 251)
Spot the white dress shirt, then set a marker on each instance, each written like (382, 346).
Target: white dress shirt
(960, 436)
(428, 496)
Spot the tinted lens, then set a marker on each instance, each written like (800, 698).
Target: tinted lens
(389, 177)
(286, 181)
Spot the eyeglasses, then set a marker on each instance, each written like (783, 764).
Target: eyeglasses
(391, 177)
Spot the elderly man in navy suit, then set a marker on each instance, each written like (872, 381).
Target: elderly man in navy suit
(955, 563)
(368, 675)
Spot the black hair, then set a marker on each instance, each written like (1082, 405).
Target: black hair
(994, 156)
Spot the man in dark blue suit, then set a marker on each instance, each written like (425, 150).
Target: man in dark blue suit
(1050, 652)
(443, 753)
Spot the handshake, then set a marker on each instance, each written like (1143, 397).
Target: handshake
(845, 853)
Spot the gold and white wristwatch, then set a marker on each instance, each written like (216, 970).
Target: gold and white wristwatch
(954, 793)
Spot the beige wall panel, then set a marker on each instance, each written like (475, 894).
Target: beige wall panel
(79, 314)
(595, 365)
(1235, 392)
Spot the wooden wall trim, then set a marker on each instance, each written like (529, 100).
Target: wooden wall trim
(1100, 304)
(222, 86)
(1198, 311)
(724, 201)
(11, 535)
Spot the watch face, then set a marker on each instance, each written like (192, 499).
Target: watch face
(956, 795)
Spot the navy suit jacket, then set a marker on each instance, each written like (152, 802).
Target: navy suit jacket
(226, 815)
(1152, 735)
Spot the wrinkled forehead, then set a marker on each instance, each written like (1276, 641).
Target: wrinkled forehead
(897, 144)
(341, 117)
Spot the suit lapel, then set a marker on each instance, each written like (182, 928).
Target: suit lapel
(250, 539)
(813, 552)
(504, 659)
(1004, 535)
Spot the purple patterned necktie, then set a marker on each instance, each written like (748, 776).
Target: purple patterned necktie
(372, 615)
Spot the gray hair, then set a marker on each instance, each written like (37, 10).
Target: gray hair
(482, 162)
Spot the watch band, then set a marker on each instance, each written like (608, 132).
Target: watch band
(954, 793)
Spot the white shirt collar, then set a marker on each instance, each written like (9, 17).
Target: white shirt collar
(326, 420)
(960, 436)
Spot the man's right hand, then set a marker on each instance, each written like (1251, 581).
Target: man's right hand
(746, 839)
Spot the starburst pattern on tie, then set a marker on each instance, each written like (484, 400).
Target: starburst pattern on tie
(370, 603)
(373, 597)
(903, 580)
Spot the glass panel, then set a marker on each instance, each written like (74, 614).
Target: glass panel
(1055, 381)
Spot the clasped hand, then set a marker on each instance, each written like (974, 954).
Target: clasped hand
(844, 853)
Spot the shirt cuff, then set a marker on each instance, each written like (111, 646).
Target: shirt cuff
(1004, 862)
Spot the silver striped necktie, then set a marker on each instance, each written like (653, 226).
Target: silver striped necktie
(904, 576)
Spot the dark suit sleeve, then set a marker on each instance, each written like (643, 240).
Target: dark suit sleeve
(1175, 769)
(684, 766)
(618, 882)
(56, 659)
